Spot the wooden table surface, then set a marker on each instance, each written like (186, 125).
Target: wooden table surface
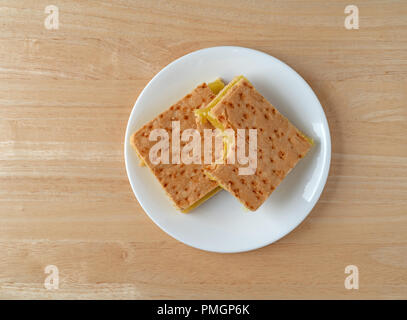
(65, 98)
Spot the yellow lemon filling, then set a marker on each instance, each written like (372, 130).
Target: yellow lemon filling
(210, 194)
(203, 113)
(216, 86)
(310, 140)
(211, 177)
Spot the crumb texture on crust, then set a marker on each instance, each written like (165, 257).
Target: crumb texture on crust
(184, 184)
(280, 145)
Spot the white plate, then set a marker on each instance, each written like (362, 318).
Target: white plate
(221, 224)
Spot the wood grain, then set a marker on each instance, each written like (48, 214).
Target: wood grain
(66, 95)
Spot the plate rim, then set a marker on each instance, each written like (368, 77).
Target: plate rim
(327, 158)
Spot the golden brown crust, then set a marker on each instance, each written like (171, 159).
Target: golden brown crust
(279, 144)
(184, 184)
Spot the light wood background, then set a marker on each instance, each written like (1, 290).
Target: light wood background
(65, 98)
